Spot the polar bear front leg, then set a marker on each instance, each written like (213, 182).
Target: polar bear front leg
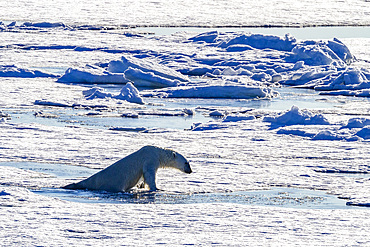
(149, 178)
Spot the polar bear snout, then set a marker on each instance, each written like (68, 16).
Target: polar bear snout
(187, 168)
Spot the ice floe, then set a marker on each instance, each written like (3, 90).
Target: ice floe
(14, 71)
(91, 76)
(234, 58)
(146, 66)
(289, 122)
(357, 123)
(237, 118)
(296, 116)
(213, 91)
(142, 72)
(222, 120)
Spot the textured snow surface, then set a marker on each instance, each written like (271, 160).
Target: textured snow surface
(191, 13)
(37, 220)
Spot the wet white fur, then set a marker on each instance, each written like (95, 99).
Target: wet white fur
(127, 172)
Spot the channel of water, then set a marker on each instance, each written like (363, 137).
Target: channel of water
(272, 196)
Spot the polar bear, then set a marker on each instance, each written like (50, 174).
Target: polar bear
(127, 172)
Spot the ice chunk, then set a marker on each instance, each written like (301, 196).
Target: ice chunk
(207, 37)
(348, 79)
(128, 93)
(341, 50)
(207, 126)
(91, 76)
(229, 71)
(295, 132)
(145, 66)
(357, 123)
(199, 71)
(364, 133)
(356, 93)
(149, 79)
(333, 136)
(211, 91)
(296, 116)
(44, 24)
(50, 103)
(237, 118)
(217, 113)
(261, 41)
(261, 77)
(323, 53)
(239, 48)
(313, 54)
(189, 112)
(14, 71)
(309, 77)
(96, 93)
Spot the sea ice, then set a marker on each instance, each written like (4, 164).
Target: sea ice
(213, 91)
(14, 71)
(348, 79)
(128, 93)
(356, 129)
(237, 118)
(91, 76)
(357, 123)
(143, 72)
(43, 24)
(146, 66)
(229, 154)
(323, 65)
(296, 116)
(260, 41)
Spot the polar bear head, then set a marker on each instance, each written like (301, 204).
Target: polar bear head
(177, 161)
(181, 163)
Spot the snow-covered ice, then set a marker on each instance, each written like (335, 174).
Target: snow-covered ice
(253, 113)
(212, 91)
(128, 93)
(200, 13)
(14, 71)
